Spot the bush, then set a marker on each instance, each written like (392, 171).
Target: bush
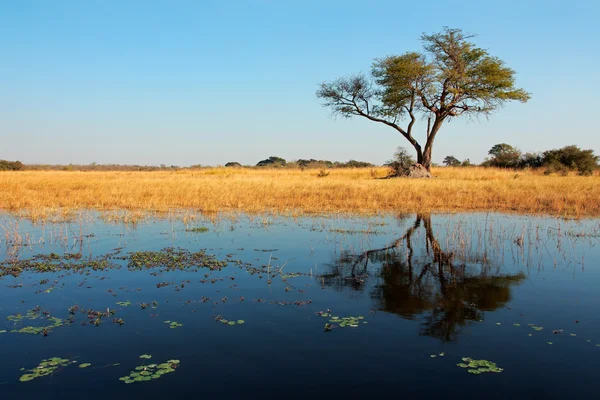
(503, 156)
(452, 161)
(401, 162)
(11, 165)
(570, 158)
(272, 162)
(531, 160)
(233, 164)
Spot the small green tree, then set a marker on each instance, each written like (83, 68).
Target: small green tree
(451, 161)
(401, 162)
(450, 78)
(272, 162)
(504, 156)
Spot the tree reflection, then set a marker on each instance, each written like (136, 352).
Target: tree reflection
(446, 291)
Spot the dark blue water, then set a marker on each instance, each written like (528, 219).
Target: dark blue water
(449, 286)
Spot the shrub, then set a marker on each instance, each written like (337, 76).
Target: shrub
(11, 165)
(272, 162)
(401, 162)
(570, 158)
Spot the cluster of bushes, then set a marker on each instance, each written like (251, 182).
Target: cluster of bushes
(278, 162)
(11, 165)
(563, 160)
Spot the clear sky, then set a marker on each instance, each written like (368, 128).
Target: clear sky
(207, 82)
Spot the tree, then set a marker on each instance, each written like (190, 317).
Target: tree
(417, 278)
(570, 158)
(234, 164)
(452, 161)
(401, 162)
(272, 162)
(504, 156)
(450, 78)
(11, 165)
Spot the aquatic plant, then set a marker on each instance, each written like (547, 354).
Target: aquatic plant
(46, 367)
(173, 324)
(335, 322)
(477, 367)
(198, 229)
(144, 373)
(222, 320)
(34, 314)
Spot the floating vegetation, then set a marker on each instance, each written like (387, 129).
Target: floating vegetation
(124, 303)
(84, 365)
(477, 367)
(222, 320)
(198, 229)
(173, 324)
(168, 258)
(535, 327)
(336, 322)
(45, 368)
(144, 373)
(54, 263)
(173, 259)
(35, 314)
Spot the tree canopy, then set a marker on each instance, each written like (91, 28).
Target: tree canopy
(450, 78)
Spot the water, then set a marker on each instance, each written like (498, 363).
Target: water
(430, 290)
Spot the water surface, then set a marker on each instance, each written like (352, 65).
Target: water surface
(418, 293)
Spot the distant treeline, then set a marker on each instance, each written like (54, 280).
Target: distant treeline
(272, 162)
(278, 162)
(563, 160)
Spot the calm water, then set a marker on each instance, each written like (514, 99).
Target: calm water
(521, 292)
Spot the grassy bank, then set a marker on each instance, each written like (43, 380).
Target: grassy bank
(294, 191)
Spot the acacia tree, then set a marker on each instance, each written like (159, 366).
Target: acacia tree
(450, 78)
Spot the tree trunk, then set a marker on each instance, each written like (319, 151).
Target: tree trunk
(419, 153)
(426, 158)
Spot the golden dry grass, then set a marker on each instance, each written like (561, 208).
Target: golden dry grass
(297, 192)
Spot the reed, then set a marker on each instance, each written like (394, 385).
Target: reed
(38, 194)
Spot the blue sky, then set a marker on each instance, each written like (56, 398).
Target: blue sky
(207, 82)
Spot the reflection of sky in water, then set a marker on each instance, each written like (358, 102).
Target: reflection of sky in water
(459, 288)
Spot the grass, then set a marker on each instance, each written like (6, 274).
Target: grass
(37, 194)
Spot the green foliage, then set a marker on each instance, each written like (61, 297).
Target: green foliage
(452, 161)
(570, 158)
(477, 367)
(531, 160)
(233, 164)
(400, 163)
(353, 164)
(45, 368)
(144, 373)
(11, 165)
(272, 162)
(450, 78)
(504, 156)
